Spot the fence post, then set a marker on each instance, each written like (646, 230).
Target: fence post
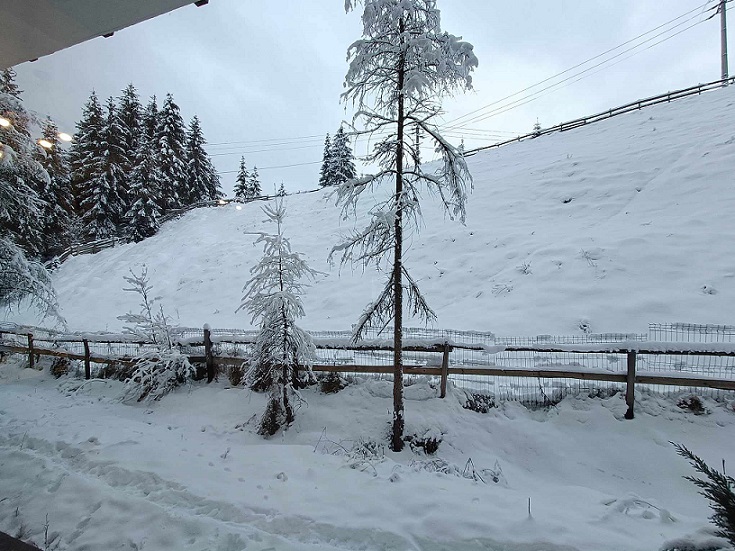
(630, 385)
(31, 359)
(445, 370)
(87, 360)
(208, 357)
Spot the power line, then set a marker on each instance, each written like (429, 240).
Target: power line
(698, 8)
(273, 167)
(603, 64)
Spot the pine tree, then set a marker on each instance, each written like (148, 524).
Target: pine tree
(242, 182)
(343, 161)
(7, 83)
(326, 173)
(283, 351)
(719, 489)
(22, 276)
(281, 191)
(536, 129)
(130, 114)
(145, 183)
(254, 184)
(171, 136)
(398, 73)
(56, 195)
(150, 120)
(22, 169)
(86, 154)
(113, 160)
(203, 184)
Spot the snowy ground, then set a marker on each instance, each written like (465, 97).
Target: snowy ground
(612, 226)
(190, 473)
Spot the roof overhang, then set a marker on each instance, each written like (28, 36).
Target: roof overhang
(30, 29)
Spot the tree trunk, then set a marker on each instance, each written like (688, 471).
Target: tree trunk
(398, 421)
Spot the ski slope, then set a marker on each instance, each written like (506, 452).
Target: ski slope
(610, 227)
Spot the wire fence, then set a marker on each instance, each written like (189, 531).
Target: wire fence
(469, 349)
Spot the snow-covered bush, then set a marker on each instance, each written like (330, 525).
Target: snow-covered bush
(158, 371)
(283, 352)
(331, 383)
(481, 403)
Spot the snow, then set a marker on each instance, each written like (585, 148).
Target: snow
(189, 472)
(641, 239)
(607, 227)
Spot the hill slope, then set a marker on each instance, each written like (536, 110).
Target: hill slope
(612, 226)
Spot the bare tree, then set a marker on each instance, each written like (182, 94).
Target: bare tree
(398, 73)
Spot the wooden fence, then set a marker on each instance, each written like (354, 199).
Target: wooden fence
(614, 112)
(24, 343)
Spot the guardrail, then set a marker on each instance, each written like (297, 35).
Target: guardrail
(615, 111)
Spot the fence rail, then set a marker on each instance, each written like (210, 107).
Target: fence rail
(614, 112)
(434, 357)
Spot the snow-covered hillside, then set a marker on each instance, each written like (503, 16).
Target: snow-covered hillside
(622, 223)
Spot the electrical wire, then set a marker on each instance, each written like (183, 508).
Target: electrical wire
(454, 123)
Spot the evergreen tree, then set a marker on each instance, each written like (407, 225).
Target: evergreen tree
(7, 83)
(22, 169)
(242, 182)
(281, 191)
(254, 189)
(718, 488)
(171, 143)
(96, 201)
(326, 173)
(57, 209)
(22, 276)
(150, 121)
(113, 160)
(398, 73)
(130, 114)
(145, 183)
(283, 351)
(203, 184)
(343, 161)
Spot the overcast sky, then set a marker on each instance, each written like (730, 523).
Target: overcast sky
(268, 74)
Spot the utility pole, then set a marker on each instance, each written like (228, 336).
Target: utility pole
(723, 38)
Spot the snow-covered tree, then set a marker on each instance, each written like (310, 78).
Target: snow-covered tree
(145, 184)
(113, 161)
(159, 371)
(150, 120)
(203, 180)
(22, 276)
(283, 352)
(397, 75)
(171, 144)
(21, 170)
(281, 190)
(326, 173)
(96, 156)
(57, 209)
(254, 189)
(536, 129)
(97, 202)
(242, 181)
(130, 114)
(7, 83)
(343, 160)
